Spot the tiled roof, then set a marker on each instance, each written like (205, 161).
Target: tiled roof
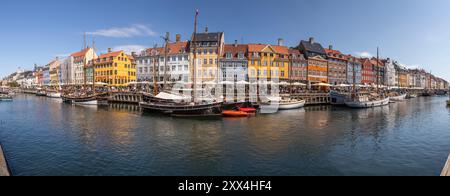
(260, 47)
(336, 54)
(235, 49)
(80, 53)
(111, 54)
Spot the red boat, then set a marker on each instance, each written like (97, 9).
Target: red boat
(248, 110)
(232, 113)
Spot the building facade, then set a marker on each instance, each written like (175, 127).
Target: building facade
(115, 68)
(80, 60)
(209, 48)
(367, 72)
(317, 69)
(355, 64)
(297, 66)
(234, 64)
(268, 63)
(337, 67)
(390, 73)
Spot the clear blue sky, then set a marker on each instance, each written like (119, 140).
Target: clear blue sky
(414, 32)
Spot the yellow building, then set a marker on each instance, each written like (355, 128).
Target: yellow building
(267, 62)
(209, 47)
(115, 68)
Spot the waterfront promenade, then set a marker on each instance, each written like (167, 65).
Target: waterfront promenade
(446, 170)
(4, 171)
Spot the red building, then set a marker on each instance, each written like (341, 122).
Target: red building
(368, 76)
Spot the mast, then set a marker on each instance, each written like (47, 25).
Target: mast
(378, 71)
(93, 66)
(155, 59)
(354, 78)
(194, 39)
(166, 50)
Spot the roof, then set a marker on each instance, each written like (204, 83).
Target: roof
(335, 54)
(80, 53)
(312, 47)
(235, 49)
(177, 47)
(111, 54)
(261, 47)
(208, 37)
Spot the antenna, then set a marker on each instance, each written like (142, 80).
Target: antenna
(84, 43)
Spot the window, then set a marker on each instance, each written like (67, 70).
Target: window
(210, 61)
(229, 55)
(205, 61)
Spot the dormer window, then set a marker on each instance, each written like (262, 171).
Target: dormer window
(229, 55)
(241, 55)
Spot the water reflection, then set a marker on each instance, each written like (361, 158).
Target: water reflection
(405, 138)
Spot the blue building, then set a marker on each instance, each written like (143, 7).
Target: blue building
(356, 64)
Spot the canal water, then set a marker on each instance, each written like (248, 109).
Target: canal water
(43, 136)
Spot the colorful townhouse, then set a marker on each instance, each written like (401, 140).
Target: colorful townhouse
(79, 62)
(209, 48)
(115, 68)
(297, 66)
(337, 66)
(54, 68)
(378, 71)
(268, 62)
(368, 72)
(149, 61)
(233, 63)
(317, 69)
(355, 64)
(390, 73)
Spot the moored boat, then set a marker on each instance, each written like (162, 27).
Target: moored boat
(366, 102)
(5, 98)
(41, 93)
(338, 98)
(397, 98)
(54, 95)
(80, 100)
(278, 103)
(411, 96)
(233, 113)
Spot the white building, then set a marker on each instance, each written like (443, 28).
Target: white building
(390, 73)
(178, 68)
(80, 60)
(67, 71)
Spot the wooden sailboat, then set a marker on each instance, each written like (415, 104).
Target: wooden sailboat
(366, 101)
(174, 105)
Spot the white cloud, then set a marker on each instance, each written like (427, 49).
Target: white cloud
(119, 32)
(130, 48)
(364, 54)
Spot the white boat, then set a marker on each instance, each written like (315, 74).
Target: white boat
(54, 95)
(364, 102)
(398, 98)
(277, 103)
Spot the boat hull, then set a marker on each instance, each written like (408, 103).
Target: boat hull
(184, 110)
(337, 98)
(54, 95)
(398, 98)
(368, 104)
(81, 101)
(283, 106)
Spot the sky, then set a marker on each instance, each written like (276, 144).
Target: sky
(413, 32)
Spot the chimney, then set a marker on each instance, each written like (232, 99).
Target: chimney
(311, 40)
(206, 29)
(109, 50)
(330, 47)
(280, 42)
(178, 37)
(235, 43)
